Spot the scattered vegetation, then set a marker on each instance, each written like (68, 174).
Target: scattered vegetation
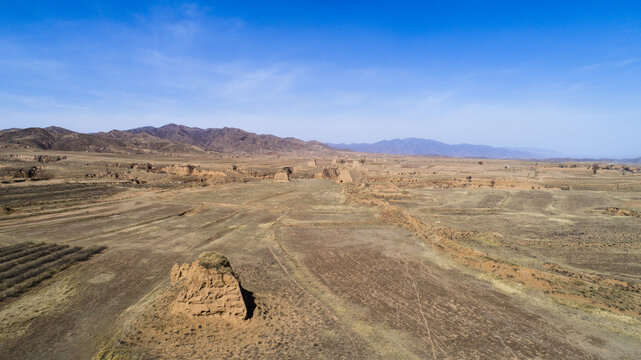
(27, 255)
(214, 260)
(4, 251)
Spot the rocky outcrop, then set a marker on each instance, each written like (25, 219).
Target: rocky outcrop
(208, 287)
(190, 170)
(33, 173)
(327, 173)
(142, 166)
(615, 211)
(49, 158)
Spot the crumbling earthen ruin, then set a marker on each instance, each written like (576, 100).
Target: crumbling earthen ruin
(283, 175)
(327, 173)
(354, 175)
(208, 287)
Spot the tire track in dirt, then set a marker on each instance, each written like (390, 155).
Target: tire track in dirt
(272, 196)
(293, 279)
(425, 322)
(386, 346)
(102, 209)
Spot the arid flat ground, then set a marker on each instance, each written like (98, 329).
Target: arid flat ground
(422, 258)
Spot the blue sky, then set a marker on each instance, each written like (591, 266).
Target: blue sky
(565, 76)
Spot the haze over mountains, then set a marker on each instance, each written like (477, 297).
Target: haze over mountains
(415, 146)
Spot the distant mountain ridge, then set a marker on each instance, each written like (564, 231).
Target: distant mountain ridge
(168, 138)
(56, 138)
(633, 161)
(416, 146)
(229, 139)
(174, 138)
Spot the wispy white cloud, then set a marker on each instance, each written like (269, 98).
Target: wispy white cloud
(248, 83)
(182, 29)
(38, 102)
(438, 98)
(607, 65)
(626, 62)
(194, 10)
(36, 65)
(239, 81)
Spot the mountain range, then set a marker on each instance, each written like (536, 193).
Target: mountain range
(414, 146)
(174, 138)
(229, 139)
(168, 138)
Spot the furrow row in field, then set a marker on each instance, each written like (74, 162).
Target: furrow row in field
(33, 254)
(18, 276)
(19, 272)
(15, 248)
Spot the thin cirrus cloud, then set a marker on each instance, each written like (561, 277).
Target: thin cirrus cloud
(611, 65)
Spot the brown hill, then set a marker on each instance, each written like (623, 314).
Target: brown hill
(168, 138)
(55, 138)
(148, 142)
(231, 140)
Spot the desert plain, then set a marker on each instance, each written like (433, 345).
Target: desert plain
(344, 256)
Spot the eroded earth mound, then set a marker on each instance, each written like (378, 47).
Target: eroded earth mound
(209, 287)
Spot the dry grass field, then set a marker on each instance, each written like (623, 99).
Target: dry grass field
(414, 258)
